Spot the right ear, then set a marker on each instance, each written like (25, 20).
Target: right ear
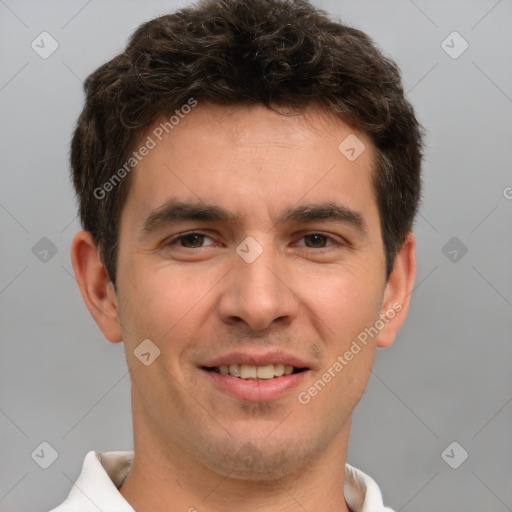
(95, 286)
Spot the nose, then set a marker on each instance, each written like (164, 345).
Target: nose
(259, 293)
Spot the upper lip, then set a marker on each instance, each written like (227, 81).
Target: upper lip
(255, 359)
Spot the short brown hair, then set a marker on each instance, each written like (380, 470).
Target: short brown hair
(244, 52)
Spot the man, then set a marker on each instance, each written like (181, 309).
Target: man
(248, 174)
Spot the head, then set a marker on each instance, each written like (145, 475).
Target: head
(230, 120)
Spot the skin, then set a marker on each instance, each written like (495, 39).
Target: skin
(198, 302)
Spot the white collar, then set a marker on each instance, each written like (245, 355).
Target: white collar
(103, 473)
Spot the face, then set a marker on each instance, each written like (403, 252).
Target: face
(249, 239)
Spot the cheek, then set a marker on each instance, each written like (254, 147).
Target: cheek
(162, 303)
(349, 306)
(346, 302)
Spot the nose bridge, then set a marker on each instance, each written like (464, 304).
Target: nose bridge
(260, 277)
(256, 292)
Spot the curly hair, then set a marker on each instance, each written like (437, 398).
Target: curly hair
(245, 52)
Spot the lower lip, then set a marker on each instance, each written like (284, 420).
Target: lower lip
(257, 390)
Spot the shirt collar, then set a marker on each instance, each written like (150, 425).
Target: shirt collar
(103, 473)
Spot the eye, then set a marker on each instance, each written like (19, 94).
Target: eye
(196, 240)
(317, 240)
(191, 240)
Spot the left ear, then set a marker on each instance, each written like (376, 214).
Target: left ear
(398, 292)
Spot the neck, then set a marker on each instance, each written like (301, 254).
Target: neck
(170, 479)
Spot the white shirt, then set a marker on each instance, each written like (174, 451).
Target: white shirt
(103, 473)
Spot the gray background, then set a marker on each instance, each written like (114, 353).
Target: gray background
(447, 378)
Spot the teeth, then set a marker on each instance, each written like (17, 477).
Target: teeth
(234, 370)
(265, 372)
(247, 371)
(279, 370)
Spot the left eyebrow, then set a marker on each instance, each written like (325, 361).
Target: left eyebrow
(330, 212)
(174, 211)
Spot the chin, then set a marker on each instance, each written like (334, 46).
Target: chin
(260, 461)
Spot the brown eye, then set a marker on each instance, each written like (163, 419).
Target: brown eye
(189, 240)
(317, 240)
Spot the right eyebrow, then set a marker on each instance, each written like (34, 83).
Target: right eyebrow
(173, 211)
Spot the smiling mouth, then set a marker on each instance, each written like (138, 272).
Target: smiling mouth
(251, 372)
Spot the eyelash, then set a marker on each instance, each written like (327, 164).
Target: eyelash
(177, 238)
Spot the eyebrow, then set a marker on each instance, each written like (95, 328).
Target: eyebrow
(174, 211)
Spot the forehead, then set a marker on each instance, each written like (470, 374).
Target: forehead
(253, 127)
(252, 160)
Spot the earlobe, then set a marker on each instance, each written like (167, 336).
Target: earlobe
(97, 291)
(398, 292)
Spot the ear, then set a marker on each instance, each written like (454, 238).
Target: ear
(398, 292)
(95, 286)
